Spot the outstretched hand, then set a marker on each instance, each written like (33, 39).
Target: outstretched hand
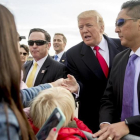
(70, 84)
(57, 82)
(112, 132)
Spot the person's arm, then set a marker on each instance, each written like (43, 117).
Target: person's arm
(30, 93)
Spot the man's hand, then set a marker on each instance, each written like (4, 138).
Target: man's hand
(70, 84)
(57, 82)
(104, 125)
(112, 132)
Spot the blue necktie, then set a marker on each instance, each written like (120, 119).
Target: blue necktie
(55, 57)
(128, 89)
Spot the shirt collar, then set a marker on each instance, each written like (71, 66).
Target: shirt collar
(60, 54)
(101, 44)
(137, 52)
(41, 61)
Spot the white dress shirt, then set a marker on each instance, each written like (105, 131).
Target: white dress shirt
(59, 55)
(104, 51)
(39, 65)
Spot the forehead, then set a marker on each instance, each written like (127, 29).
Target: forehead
(58, 37)
(87, 20)
(37, 36)
(123, 14)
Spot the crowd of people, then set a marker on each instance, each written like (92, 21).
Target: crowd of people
(101, 73)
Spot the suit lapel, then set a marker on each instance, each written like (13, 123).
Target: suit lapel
(91, 61)
(139, 92)
(27, 68)
(63, 58)
(113, 50)
(43, 71)
(122, 68)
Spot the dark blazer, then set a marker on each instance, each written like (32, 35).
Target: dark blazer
(50, 71)
(111, 103)
(83, 64)
(63, 58)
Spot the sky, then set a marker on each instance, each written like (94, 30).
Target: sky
(60, 16)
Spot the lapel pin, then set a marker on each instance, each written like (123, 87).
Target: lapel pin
(42, 71)
(63, 60)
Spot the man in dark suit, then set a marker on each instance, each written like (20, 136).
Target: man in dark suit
(120, 105)
(85, 67)
(59, 44)
(47, 70)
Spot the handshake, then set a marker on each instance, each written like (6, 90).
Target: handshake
(69, 83)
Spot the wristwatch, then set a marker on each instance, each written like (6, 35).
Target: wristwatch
(126, 122)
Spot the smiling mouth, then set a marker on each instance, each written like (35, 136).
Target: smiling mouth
(56, 46)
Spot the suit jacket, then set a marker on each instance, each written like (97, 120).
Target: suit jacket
(53, 71)
(111, 103)
(83, 64)
(63, 58)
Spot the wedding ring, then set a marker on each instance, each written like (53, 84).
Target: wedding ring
(109, 138)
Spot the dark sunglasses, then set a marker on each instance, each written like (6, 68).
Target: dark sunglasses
(120, 22)
(23, 53)
(37, 42)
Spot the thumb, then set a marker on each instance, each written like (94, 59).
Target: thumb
(70, 76)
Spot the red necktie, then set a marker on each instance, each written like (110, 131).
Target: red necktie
(102, 61)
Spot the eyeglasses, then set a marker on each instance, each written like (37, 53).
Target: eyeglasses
(37, 42)
(120, 22)
(23, 53)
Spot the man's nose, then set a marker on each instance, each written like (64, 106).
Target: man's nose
(85, 29)
(117, 29)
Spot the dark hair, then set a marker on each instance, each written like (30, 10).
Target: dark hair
(47, 35)
(64, 38)
(25, 47)
(10, 74)
(132, 7)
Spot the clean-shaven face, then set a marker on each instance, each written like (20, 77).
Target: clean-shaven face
(129, 31)
(38, 52)
(58, 43)
(90, 30)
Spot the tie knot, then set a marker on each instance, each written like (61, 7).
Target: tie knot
(96, 48)
(35, 64)
(55, 57)
(133, 57)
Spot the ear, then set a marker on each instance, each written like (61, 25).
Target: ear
(139, 25)
(48, 45)
(102, 29)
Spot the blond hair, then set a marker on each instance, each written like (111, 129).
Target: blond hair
(91, 13)
(43, 105)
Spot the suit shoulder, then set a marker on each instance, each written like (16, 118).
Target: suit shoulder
(120, 56)
(56, 63)
(76, 47)
(27, 63)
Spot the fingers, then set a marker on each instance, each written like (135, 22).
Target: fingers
(71, 77)
(52, 135)
(100, 132)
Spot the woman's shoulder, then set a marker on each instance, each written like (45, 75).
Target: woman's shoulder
(11, 116)
(8, 122)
